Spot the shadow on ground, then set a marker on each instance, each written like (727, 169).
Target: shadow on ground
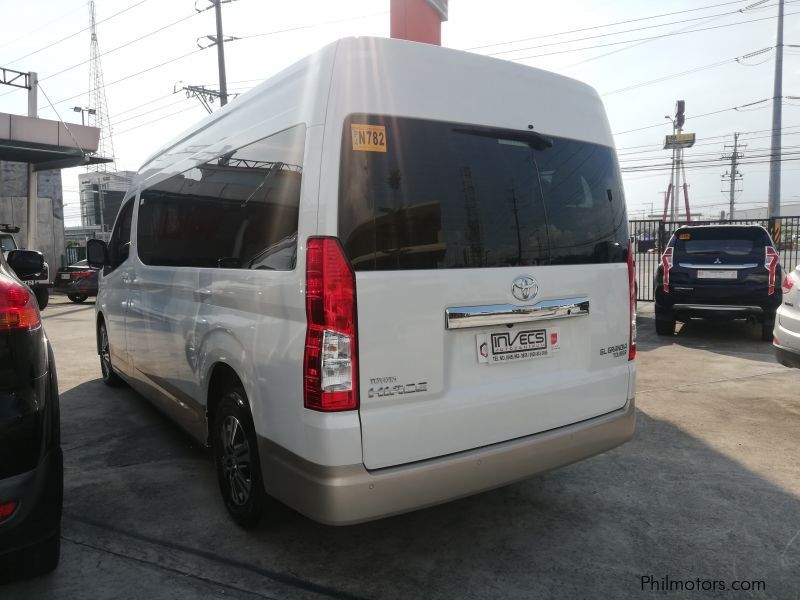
(141, 493)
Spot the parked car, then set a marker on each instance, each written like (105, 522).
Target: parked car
(787, 323)
(38, 282)
(718, 272)
(31, 471)
(364, 313)
(78, 281)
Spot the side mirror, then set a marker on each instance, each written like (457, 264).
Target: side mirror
(26, 263)
(96, 254)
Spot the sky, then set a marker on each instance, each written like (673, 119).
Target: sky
(640, 66)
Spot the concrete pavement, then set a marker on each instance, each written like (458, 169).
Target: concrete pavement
(708, 489)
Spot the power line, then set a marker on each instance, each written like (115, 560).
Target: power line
(32, 31)
(159, 65)
(712, 137)
(649, 38)
(600, 35)
(72, 35)
(538, 37)
(715, 112)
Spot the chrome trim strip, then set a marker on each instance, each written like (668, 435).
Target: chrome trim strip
(721, 267)
(462, 317)
(719, 307)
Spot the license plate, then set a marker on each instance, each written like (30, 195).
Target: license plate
(512, 345)
(716, 274)
(65, 276)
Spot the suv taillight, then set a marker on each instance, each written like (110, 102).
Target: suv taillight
(7, 509)
(771, 263)
(788, 283)
(632, 290)
(330, 364)
(17, 307)
(666, 261)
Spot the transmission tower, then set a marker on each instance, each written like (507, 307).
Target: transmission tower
(97, 101)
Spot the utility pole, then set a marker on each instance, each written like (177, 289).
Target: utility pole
(223, 83)
(33, 176)
(733, 175)
(774, 195)
(219, 40)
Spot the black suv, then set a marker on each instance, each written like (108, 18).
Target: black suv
(718, 271)
(31, 470)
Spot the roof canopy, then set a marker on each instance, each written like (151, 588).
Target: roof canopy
(48, 144)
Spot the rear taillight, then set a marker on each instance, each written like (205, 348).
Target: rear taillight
(77, 274)
(666, 262)
(330, 364)
(17, 307)
(632, 290)
(771, 263)
(788, 283)
(7, 509)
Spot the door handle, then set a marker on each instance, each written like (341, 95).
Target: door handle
(202, 294)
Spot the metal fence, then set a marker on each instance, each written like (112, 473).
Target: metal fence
(74, 254)
(651, 236)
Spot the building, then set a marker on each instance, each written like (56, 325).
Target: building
(101, 193)
(50, 207)
(787, 210)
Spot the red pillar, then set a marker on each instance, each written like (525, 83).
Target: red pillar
(417, 20)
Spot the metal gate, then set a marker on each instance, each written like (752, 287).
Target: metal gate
(75, 254)
(649, 237)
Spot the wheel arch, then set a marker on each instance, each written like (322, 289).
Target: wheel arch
(98, 321)
(222, 376)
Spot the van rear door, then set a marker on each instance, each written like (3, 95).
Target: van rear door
(491, 282)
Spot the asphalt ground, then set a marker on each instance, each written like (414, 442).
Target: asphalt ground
(707, 491)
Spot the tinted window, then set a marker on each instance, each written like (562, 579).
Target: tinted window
(420, 194)
(239, 210)
(120, 243)
(7, 243)
(731, 241)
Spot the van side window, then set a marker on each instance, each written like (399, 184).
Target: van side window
(238, 211)
(120, 242)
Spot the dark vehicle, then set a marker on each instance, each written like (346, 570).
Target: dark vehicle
(78, 281)
(718, 272)
(31, 469)
(39, 282)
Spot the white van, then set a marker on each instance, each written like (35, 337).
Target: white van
(390, 276)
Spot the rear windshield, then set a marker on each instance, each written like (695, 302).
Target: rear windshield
(733, 241)
(7, 243)
(418, 194)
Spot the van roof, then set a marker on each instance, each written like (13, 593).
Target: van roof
(393, 77)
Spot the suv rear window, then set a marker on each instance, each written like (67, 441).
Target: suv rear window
(418, 194)
(730, 241)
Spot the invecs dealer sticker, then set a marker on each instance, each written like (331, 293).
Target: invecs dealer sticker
(368, 138)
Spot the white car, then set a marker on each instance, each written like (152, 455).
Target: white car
(787, 322)
(390, 276)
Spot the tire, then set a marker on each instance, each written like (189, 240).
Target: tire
(42, 297)
(32, 561)
(236, 460)
(665, 324)
(77, 298)
(110, 378)
(767, 327)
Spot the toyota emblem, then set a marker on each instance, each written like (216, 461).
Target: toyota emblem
(524, 288)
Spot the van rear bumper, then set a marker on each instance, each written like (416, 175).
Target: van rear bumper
(349, 494)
